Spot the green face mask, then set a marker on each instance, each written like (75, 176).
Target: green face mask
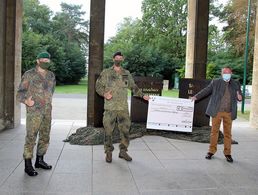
(44, 65)
(118, 62)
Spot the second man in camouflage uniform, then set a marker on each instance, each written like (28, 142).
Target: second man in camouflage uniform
(112, 84)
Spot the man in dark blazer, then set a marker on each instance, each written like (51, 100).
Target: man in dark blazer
(225, 92)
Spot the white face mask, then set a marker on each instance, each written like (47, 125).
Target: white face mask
(226, 77)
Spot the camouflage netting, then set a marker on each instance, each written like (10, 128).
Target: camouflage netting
(95, 136)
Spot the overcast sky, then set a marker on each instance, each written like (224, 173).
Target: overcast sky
(116, 10)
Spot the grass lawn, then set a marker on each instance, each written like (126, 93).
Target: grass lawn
(245, 115)
(82, 88)
(170, 93)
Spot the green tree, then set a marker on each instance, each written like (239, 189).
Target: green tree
(64, 36)
(36, 17)
(164, 26)
(216, 42)
(30, 46)
(76, 63)
(122, 41)
(155, 45)
(211, 71)
(235, 15)
(72, 29)
(228, 58)
(70, 25)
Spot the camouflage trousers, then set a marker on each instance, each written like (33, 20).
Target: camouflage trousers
(37, 125)
(121, 117)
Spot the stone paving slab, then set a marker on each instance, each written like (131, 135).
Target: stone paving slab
(160, 166)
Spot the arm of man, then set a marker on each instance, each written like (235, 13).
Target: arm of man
(22, 93)
(204, 92)
(100, 84)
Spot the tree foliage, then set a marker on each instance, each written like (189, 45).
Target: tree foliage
(164, 25)
(155, 44)
(227, 48)
(64, 35)
(235, 15)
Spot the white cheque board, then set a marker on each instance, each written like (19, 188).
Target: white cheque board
(173, 114)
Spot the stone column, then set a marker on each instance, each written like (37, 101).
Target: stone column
(197, 39)
(96, 46)
(2, 35)
(10, 61)
(254, 101)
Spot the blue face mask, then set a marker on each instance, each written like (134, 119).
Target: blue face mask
(226, 77)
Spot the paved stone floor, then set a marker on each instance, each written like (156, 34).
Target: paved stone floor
(160, 166)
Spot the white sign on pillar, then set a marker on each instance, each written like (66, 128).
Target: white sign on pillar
(172, 114)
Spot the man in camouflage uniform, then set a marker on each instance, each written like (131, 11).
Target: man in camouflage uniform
(112, 84)
(35, 91)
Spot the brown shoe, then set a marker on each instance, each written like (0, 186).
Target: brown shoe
(108, 157)
(124, 155)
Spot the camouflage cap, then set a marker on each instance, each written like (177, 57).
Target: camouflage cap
(43, 55)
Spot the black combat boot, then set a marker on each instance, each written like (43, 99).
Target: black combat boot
(29, 168)
(40, 163)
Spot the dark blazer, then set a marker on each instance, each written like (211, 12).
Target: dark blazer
(217, 89)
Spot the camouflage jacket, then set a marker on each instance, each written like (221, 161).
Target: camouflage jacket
(41, 89)
(117, 83)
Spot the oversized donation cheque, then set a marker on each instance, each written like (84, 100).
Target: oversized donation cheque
(172, 114)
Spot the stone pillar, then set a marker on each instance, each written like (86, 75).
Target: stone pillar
(197, 39)
(2, 35)
(254, 101)
(96, 46)
(10, 61)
